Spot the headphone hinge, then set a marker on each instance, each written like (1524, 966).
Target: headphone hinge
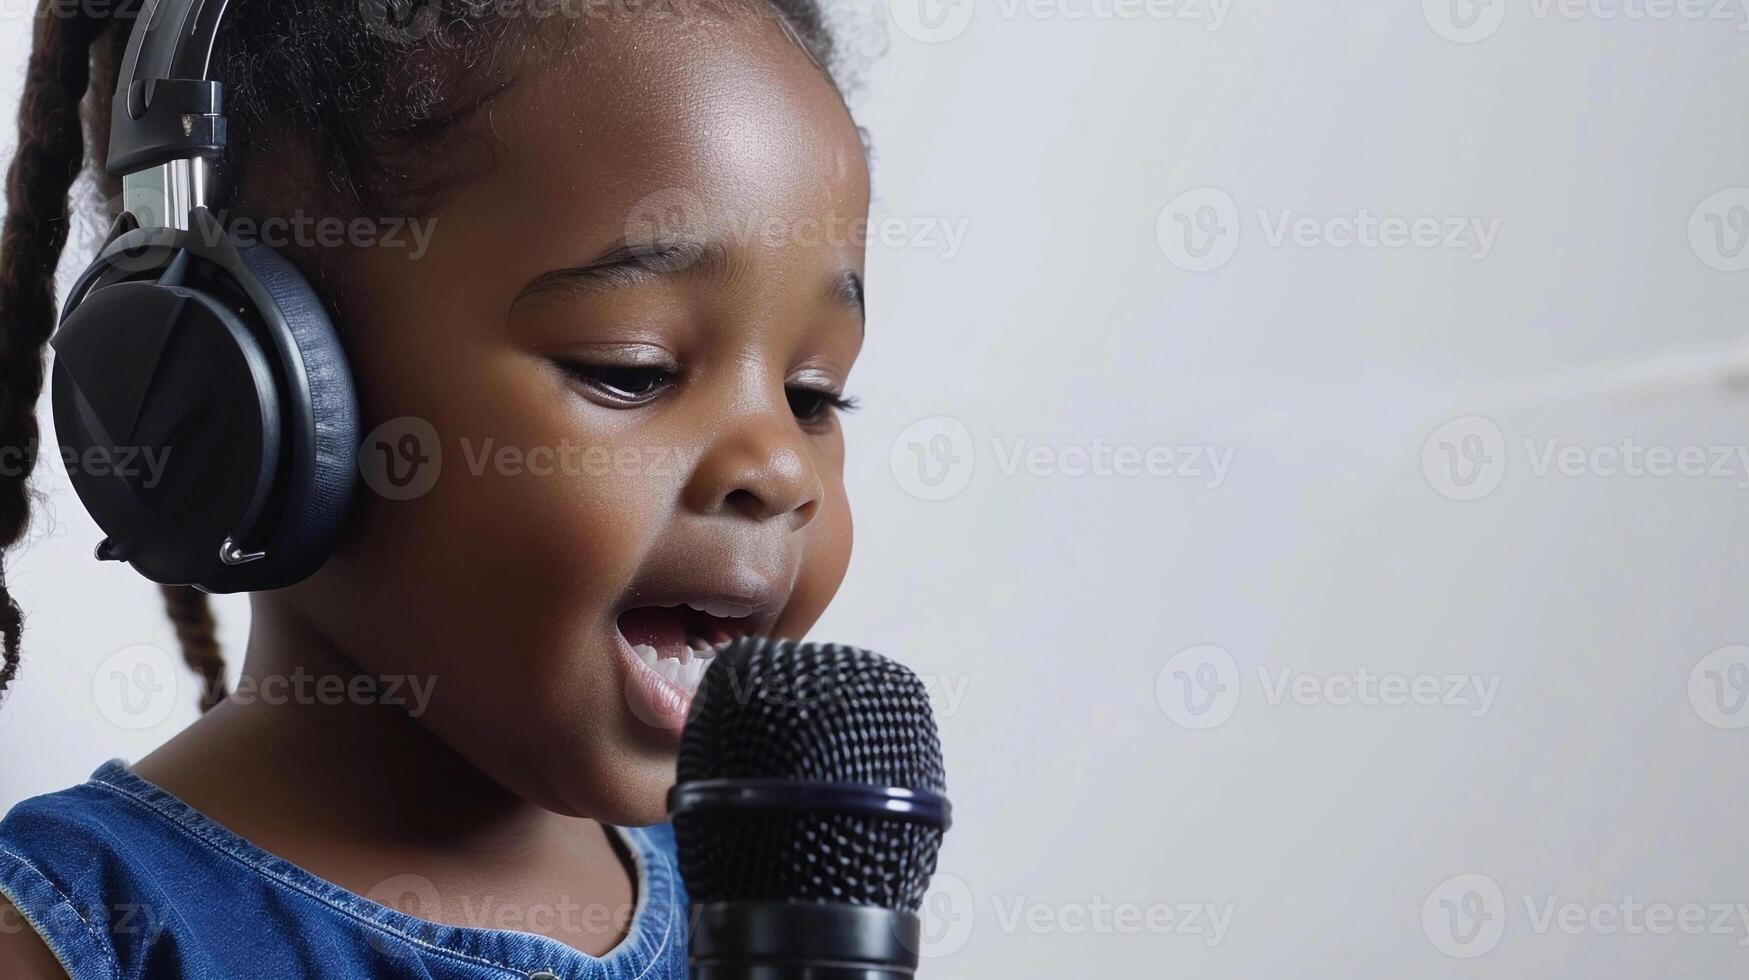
(165, 196)
(166, 119)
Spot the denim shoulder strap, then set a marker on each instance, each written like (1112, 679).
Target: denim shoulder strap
(124, 881)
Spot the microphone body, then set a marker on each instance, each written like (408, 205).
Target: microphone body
(802, 941)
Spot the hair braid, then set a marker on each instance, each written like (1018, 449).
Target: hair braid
(192, 615)
(50, 155)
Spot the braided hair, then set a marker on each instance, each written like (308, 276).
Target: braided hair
(369, 90)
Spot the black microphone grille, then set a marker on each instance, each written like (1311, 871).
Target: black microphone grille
(774, 719)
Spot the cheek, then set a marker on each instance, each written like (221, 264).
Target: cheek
(500, 581)
(825, 559)
(529, 533)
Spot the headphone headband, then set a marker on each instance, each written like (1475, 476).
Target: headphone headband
(171, 39)
(167, 119)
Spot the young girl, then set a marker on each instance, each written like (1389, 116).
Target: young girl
(625, 342)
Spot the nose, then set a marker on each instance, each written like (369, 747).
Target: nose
(761, 469)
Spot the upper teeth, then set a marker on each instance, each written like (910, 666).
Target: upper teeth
(721, 608)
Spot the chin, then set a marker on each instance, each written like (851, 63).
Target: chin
(634, 793)
(644, 804)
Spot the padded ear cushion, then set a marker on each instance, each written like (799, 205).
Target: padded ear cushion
(306, 535)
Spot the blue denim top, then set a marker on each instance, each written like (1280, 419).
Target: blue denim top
(123, 880)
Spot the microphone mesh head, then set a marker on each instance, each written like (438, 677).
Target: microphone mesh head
(773, 709)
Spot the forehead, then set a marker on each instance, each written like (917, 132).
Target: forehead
(717, 122)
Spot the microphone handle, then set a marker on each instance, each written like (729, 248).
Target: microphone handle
(803, 941)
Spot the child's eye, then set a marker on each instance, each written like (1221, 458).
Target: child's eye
(810, 405)
(631, 384)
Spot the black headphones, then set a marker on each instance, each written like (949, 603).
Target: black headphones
(202, 401)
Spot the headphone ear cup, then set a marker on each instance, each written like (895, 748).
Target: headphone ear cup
(320, 417)
(167, 408)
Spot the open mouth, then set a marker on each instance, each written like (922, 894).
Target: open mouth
(677, 641)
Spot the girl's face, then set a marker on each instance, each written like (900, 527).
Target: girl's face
(627, 338)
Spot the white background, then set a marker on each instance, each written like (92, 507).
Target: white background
(1048, 609)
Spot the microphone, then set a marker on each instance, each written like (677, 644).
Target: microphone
(808, 812)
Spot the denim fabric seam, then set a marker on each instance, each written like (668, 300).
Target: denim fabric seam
(638, 944)
(668, 922)
(324, 901)
(90, 931)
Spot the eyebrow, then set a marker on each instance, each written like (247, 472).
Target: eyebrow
(638, 263)
(632, 263)
(846, 290)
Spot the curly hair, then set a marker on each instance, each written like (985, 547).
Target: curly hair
(368, 89)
